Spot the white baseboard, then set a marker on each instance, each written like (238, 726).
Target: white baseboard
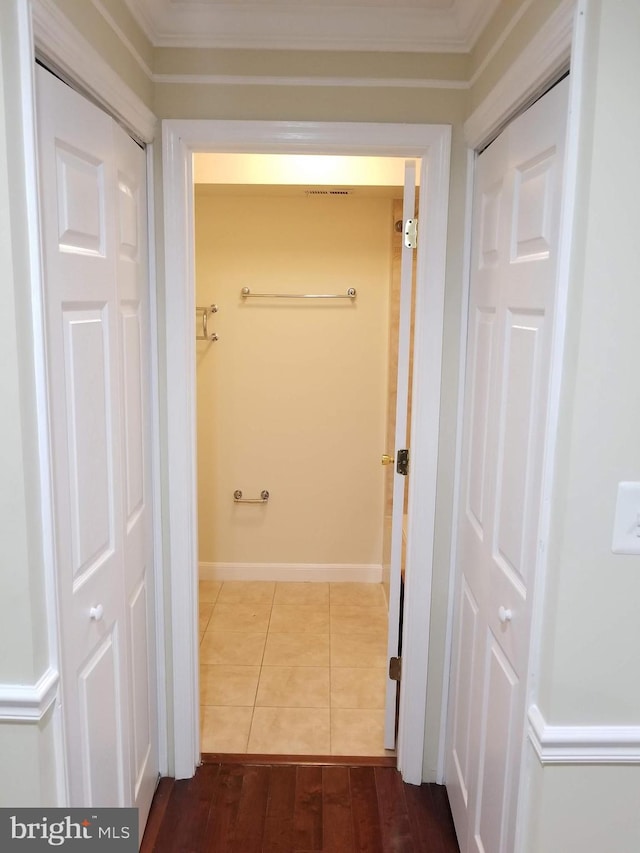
(583, 744)
(318, 572)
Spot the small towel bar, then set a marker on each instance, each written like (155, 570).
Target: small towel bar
(238, 499)
(205, 334)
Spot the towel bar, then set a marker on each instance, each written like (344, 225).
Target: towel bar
(238, 499)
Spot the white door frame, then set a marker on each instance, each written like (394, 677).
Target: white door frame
(557, 46)
(181, 139)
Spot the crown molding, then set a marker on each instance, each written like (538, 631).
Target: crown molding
(327, 82)
(60, 44)
(381, 26)
(546, 56)
(564, 744)
(28, 703)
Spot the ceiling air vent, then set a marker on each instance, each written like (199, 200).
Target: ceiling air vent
(327, 192)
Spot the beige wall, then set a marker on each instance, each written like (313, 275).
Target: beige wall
(292, 397)
(590, 671)
(28, 774)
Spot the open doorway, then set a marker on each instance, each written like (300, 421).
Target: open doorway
(181, 139)
(296, 400)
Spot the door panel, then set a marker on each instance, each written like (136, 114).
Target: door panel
(400, 441)
(142, 730)
(467, 643)
(92, 179)
(481, 360)
(515, 231)
(87, 407)
(81, 201)
(498, 741)
(133, 412)
(101, 726)
(133, 304)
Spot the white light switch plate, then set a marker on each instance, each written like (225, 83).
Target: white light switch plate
(626, 524)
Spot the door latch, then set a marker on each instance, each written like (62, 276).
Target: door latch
(402, 462)
(411, 233)
(395, 668)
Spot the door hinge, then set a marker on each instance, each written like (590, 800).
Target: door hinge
(402, 462)
(411, 233)
(395, 668)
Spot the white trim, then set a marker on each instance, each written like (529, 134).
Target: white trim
(328, 82)
(60, 44)
(156, 487)
(545, 55)
(582, 744)
(431, 143)
(457, 475)
(28, 703)
(181, 474)
(37, 699)
(317, 572)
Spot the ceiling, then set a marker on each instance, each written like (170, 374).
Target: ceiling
(389, 25)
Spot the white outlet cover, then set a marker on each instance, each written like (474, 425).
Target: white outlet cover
(626, 523)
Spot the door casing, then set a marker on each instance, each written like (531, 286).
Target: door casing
(181, 139)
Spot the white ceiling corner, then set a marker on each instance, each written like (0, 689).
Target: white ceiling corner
(387, 25)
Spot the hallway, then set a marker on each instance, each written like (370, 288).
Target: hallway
(292, 668)
(284, 808)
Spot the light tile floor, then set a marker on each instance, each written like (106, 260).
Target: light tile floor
(292, 668)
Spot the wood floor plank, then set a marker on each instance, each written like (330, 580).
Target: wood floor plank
(278, 827)
(195, 819)
(307, 817)
(337, 823)
(220, 832)
(252, 810)
(169, 829)
(431, 827)
(156, 814)
(445, 818)
(365, 812)
(395, 827)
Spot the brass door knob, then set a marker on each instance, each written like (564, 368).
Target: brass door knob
(387, 460)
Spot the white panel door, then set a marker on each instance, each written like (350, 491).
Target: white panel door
(92, 188)
(400, 442)
(517, 198)
(135, 431)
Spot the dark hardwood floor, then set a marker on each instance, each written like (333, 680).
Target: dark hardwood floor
(297, 808)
